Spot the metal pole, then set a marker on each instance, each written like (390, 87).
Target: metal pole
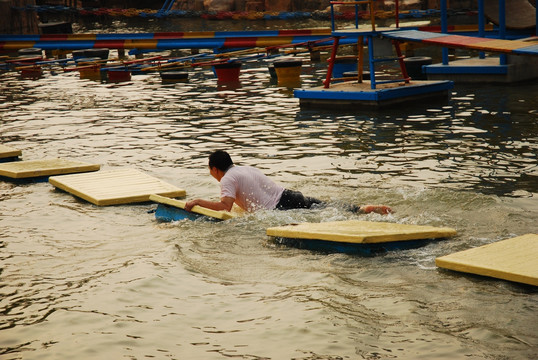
(371, 60)
(397, 10)
(481, 25)
(327, 81)
(356, 16)
(332, 17)
(444, 28)
(502, 27)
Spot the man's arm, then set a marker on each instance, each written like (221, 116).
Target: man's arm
(225, 204)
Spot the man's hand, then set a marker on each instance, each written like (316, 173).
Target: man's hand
(378, 209)
(190, 204)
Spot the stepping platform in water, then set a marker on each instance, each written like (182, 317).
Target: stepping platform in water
(353, 93)
(356, 236)
(7, 152)
(114, 187)
(44, 167)
(514, 259)
(174, 210)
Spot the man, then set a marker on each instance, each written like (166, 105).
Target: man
(251, 190)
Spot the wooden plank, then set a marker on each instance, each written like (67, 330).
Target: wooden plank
(114, 187)
(359, 232)
(413, 35)
(455, 40)
(7, 152)
(44, 167)
(500, 45)
(529, 50)
(221, 215)
(513, 259)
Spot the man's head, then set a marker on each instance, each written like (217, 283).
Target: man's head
(221, 160)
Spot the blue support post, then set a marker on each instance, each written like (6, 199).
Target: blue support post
(332, 17)
(371, 60)
(502, 27)
(481, 25)
(444, 28)
(356, 16)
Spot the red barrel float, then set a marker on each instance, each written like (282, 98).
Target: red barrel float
(228, 72)
(119, 75)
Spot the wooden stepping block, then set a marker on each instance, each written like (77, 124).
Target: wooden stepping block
(514, 259)
(44, 167)
(358, 236)
(114, 187)
(174, 210)
(9, 152)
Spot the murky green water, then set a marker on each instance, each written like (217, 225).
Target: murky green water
(86, 282)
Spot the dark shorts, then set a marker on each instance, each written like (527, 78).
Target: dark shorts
(296, 200)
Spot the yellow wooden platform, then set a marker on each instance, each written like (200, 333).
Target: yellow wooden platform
(500, 45)
(221, 215)
(514, 259)
(113, 187)
(44, 167)
(7, 152)
(359, 232)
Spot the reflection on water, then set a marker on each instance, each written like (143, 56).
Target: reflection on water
(88, 282)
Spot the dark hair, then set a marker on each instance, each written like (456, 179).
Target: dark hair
(221, 160)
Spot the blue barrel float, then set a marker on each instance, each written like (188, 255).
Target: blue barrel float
(343, 64)
(355, 74)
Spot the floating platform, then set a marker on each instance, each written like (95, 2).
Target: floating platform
(8, 153)
(490, 70)
(114, 187)
(355, 94)
(45, 167)
(517, 67)
(174, 210)
(354, 236)
(514, 259)
(526, 46)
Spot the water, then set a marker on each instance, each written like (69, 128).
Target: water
(87, 282)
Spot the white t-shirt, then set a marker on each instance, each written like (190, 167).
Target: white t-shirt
(250, 188)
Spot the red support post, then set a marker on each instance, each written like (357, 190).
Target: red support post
(327, 81)
(401, 60)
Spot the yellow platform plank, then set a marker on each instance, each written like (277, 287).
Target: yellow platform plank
(114, 187)
(44, 167)
(359, 232)
(500, 45)
(513, 259)
(221, 215)
(7, 152)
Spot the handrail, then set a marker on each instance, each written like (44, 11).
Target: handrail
(356, 3)
(371, 7)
